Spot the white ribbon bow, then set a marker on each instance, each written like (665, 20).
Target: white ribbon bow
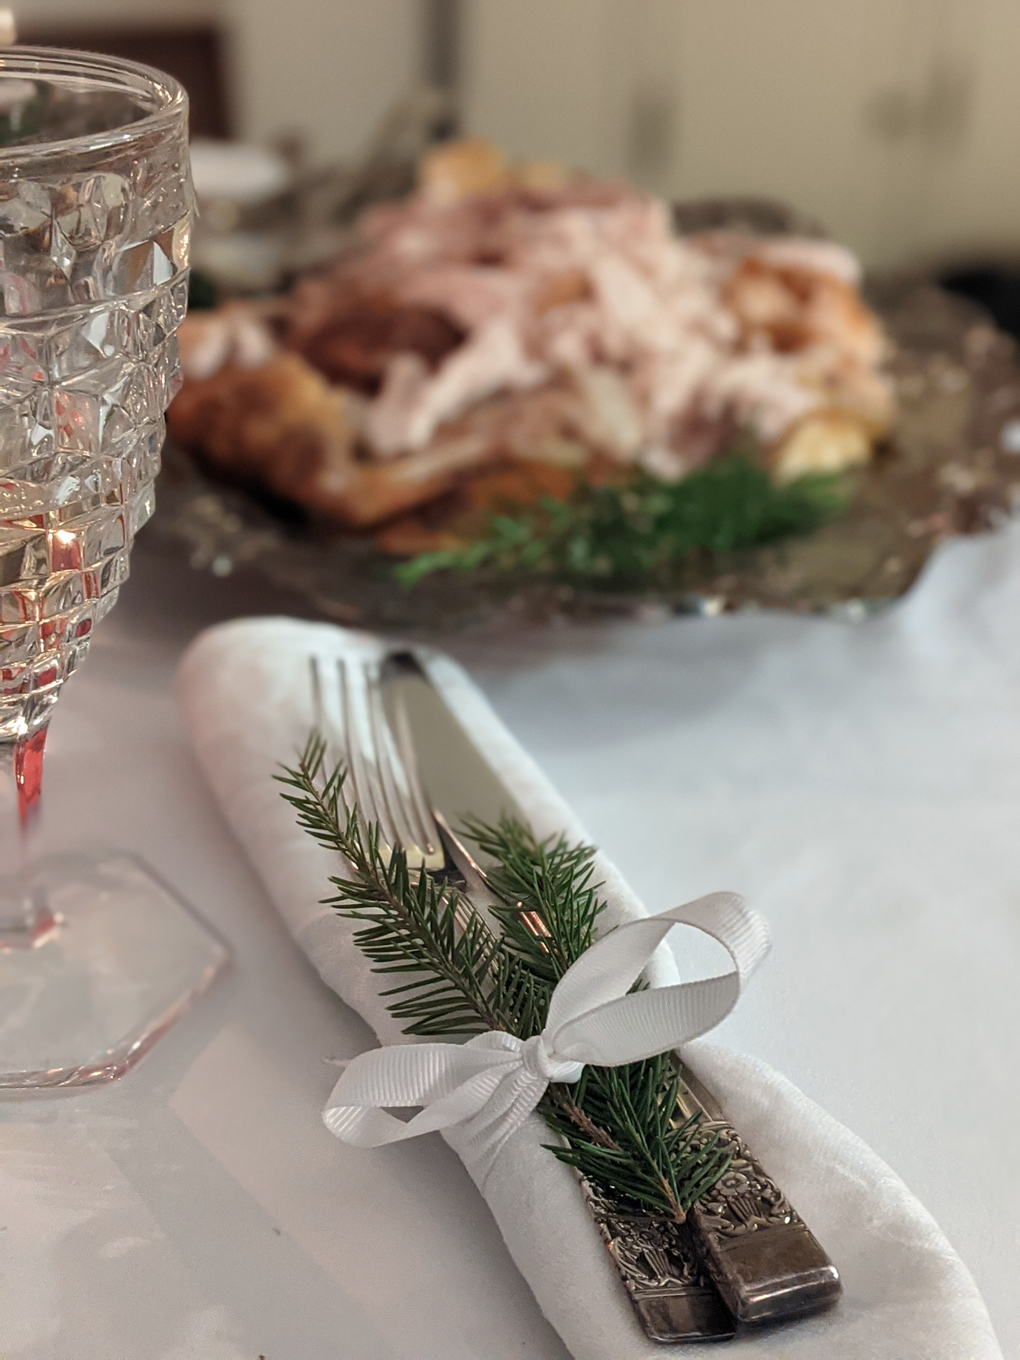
(484, 1090)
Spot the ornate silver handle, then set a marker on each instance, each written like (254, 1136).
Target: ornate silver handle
(672, 1295)
(758, 1251)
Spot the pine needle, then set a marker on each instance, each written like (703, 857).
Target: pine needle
(455, 976)
(642, 532)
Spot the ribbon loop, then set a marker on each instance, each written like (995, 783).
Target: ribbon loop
(482, 1091)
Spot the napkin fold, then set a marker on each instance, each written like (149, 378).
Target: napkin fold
(245, 692)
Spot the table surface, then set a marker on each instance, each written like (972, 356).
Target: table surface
(860, 784)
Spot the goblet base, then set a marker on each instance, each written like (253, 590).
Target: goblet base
(98, 958)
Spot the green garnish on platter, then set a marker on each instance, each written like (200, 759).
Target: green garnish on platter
(640, 532)
(457, 973)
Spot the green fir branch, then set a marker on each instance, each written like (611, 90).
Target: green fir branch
(655, 1162)
(548, 881)
(409, 921)
(642, 532)
(456, 976)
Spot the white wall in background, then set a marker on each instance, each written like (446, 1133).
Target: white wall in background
(327, 68)
(894, 122)
(541, 77)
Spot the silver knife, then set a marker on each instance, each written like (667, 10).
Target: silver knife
(744, 1243)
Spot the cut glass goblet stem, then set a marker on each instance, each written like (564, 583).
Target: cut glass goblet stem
(24, 919)
(96, 954)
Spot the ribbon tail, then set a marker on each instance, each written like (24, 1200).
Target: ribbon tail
(369, 1126)
(453, 1081)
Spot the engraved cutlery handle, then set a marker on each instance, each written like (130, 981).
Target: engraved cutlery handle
(673, 1297)
(743, 1251)
(762, 1257)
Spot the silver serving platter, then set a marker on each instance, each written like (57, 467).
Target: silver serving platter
(949, 467)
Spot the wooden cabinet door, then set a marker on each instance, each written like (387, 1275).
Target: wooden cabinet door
(542, 78)
(970, 203)
(816, 102)
(808, 101)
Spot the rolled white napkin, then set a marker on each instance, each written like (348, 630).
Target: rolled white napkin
(246, 696)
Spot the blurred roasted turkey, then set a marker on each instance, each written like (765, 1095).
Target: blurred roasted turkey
(508, 329)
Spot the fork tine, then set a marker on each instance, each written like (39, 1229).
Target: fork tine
(324, 710)
(325, 724)
(362, 759)
(385, 783)
(392, 776)
(403, 783)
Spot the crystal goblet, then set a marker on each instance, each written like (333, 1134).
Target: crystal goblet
(96, 955)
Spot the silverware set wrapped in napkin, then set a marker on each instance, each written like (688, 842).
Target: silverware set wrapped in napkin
(742, 1256)
(249, 704)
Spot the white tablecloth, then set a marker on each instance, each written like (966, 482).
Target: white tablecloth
(860, 784)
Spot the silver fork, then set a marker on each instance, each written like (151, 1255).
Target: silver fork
(385, 785)
(384, 781)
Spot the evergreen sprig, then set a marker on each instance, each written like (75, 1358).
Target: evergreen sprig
(456, 978)
(652, 1161)
(642, 531)
(619, 1126)
(547, 904)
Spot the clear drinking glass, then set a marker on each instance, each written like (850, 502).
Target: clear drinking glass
(96, 955)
